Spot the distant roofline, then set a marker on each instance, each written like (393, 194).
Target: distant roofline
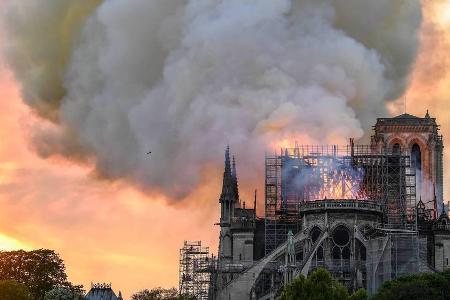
(406, 116)
(407, 120)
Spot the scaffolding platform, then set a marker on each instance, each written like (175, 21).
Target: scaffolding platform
(195, 270)
(321, 172)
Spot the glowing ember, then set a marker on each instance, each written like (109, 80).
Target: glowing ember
(339, 185)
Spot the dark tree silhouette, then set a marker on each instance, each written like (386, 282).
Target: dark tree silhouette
(39, 270)
(12, 290)
(160, 294)
(434, 286)
(319, 285)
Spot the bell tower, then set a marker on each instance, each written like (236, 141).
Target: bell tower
(418, 138)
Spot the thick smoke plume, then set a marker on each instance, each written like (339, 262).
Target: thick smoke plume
(184, 78)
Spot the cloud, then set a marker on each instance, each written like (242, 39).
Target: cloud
(183, 79)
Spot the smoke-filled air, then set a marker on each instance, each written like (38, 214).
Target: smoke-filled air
(117, 79)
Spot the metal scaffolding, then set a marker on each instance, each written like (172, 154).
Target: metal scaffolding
(195, 274)
(310, 173)
(392, 255)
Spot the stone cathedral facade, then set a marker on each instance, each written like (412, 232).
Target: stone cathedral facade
(418, 138)
(366, 213)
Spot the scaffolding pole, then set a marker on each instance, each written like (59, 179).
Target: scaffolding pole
(194, 273)
(318, 172)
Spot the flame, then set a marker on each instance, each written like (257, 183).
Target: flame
(339, 184)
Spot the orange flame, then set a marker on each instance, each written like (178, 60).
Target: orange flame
(339, 185)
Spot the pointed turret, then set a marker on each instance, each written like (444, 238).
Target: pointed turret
(421, 209)
(229, 197)
(228, 181)
(290, 261)
(227, 161)
(443, 215)
(235, 181)
(233, 169)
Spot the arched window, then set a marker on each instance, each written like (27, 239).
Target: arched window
(360, 250)
(416, 162)
(341, 236)
(320, 253)
(396, 148)
(346, 252)
(336, 253)
(315, 233)
(416, 157)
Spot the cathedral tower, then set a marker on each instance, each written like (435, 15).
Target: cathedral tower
(228, 202)
(237, 227)
(418, 138)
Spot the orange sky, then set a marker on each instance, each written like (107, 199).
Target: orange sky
(111, 232)
(104, 231)
(430, 81)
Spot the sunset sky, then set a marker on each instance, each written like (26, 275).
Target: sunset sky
(112, 230)
(105, 232)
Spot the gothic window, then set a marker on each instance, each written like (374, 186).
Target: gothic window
(416, 161)
(396, 149)
(346, 252)
(341, 236)
(320, 253)
(416, 156)
(336, 253)
(315, 233)
(360, 250)
(341, 241)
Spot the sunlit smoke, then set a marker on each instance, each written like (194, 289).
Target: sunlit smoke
(184, 78)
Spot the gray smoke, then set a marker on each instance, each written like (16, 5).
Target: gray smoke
(184, 78)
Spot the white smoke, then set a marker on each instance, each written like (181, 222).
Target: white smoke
(184, 78)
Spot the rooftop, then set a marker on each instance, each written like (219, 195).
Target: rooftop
(102, 292)
(407, 120)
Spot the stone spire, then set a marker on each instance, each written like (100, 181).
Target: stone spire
(233, 169)
(228, 187)
(235, 181)
(227, 161)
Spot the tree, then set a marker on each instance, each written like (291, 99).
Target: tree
(62, 293)
(434, 286)
(40, 270)
(160, 294)
(360, 294)
(12, 290)
(319, 285)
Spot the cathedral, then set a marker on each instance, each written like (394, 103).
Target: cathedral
(366, 213)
